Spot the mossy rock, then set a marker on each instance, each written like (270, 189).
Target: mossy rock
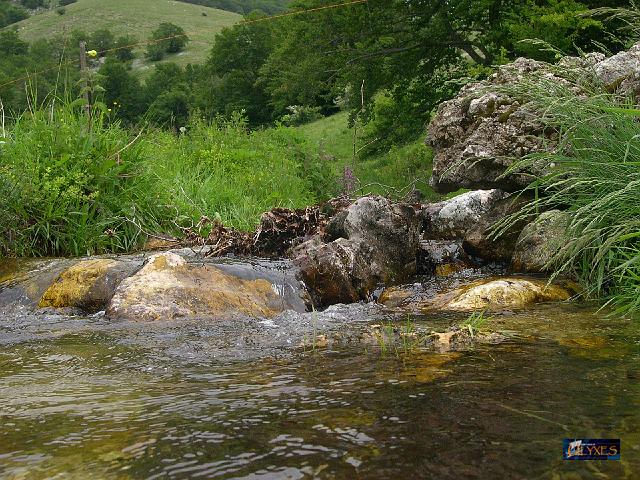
(167, 287)
(501, 294)
(87, 285)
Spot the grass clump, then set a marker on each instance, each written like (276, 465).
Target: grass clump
(475, 323)
(68, 189)
(594, 173)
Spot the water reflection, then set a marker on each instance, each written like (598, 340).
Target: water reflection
(86, 398)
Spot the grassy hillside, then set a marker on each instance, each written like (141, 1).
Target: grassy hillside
(134, 17)
(391, 173)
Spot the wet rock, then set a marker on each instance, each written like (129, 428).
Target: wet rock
(458, 338)
(167, 287)
(480, 239)
(539, 241)
(500, 294)
(451, 219)
(25, 280)
(328, 271)
(378, 245)
(395, 297)
(441, 257)
(88, 285)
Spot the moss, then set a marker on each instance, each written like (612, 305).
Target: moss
(84, 285)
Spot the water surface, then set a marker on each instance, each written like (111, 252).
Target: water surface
(91, 398)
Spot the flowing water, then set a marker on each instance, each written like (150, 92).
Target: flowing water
(86, 397)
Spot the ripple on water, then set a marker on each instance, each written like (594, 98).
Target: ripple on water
(87, 398)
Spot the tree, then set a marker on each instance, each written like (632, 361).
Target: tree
(10, 13)
(33, 4)
(165, 77)
(10, 43)
(230, 80)
(102, 40)
(171, 108)
(124, 48)
(419, 51)
(121, 90)
(167, 38)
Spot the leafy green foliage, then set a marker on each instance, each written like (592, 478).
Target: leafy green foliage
(11, 13)
(101, 40)
(69, 189)
(33, 4)
(121, 90)
(229, 82)
(123, 46)
(167, 38)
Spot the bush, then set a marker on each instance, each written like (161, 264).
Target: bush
(33, 4)
(10, 13)
(299, 115)
(124, 48)
(101, 40)
(64, 3)
(61, 10)
(167, 38)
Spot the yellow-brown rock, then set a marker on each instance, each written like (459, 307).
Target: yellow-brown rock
(167, 288)
(393, 297)
(88, 285)
(499, 294)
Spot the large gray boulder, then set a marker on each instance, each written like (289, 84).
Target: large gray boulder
(483, 241)
(621, 72)
(373, 243)
(539, 241)
(479, 134)
(451, 219)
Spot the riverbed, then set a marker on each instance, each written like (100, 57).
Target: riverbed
(314, 395)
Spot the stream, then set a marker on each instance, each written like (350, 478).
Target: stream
(87, 397)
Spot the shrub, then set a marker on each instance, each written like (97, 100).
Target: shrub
(64, 3)
(61, 10)
(101, 40)
(167, 38)
(299, 115)
(33, 4)
(124, 48)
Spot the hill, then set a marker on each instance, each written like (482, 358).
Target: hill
(137, 18)
(391, 173)
(244, 6)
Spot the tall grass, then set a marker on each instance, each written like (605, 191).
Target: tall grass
(68, 189)
(594, 174)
